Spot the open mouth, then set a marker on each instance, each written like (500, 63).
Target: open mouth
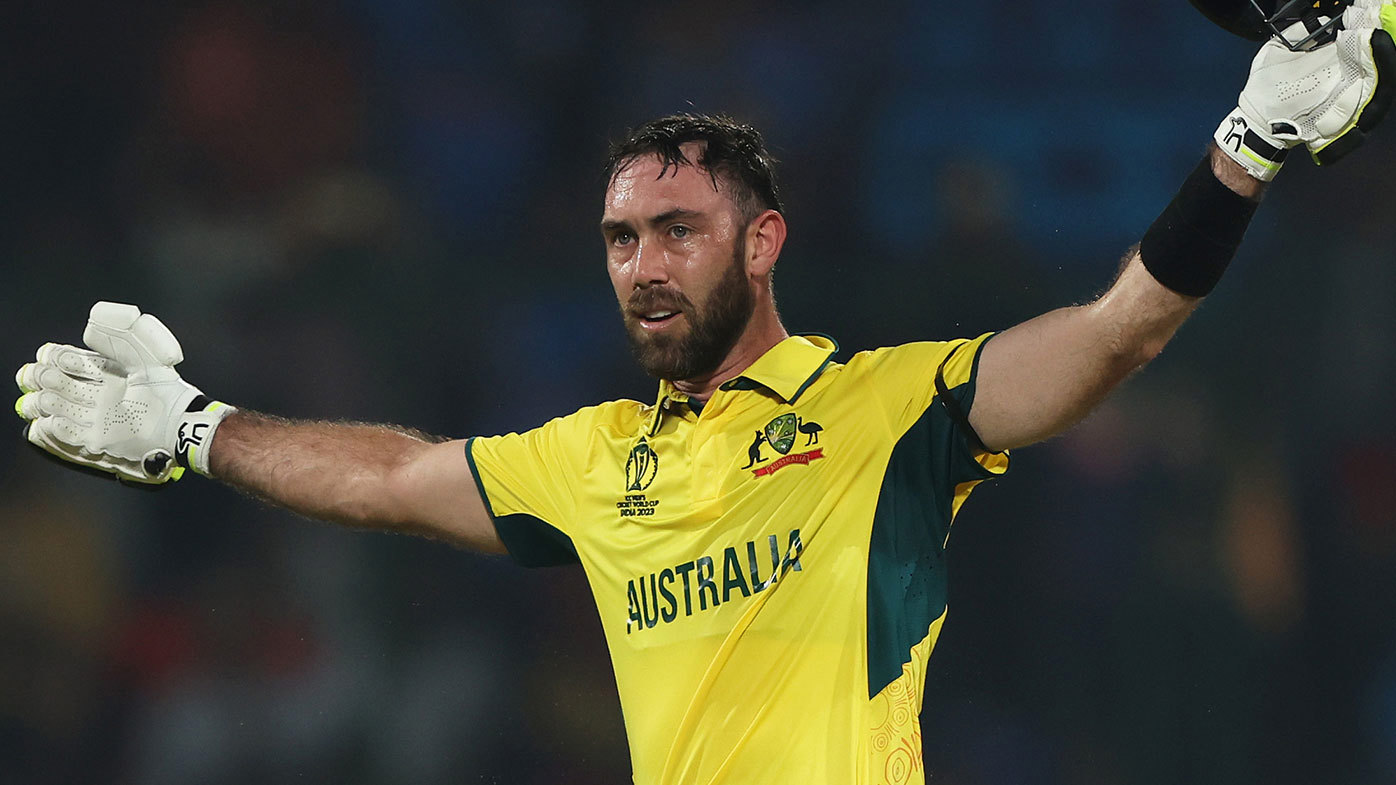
(657, 319)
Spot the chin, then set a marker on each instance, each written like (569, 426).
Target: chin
(667, 356)
(661, 362)
(662, 366)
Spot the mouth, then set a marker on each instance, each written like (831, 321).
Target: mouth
(657, 319)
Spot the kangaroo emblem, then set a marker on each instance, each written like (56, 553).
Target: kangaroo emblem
(753, 453)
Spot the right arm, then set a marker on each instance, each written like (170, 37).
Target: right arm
(119, 407)
(368, 476)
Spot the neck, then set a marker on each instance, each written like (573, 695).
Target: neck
(761, 333)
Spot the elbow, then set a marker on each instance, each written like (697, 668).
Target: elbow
(390, 507)
(372, 497)
(1130, 353)
(404, 491)
(1147, 350)
(1134, 343)
(363, 500)
(1138, 324)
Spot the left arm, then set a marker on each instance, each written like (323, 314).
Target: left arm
(1041, 377)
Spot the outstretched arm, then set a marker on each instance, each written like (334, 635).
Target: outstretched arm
(120, 407)
(1042, 376)
(371, 476)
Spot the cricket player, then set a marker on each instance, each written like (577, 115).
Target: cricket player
(765, 539)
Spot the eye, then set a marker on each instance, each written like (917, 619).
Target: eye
(679, 231)
(622, 238)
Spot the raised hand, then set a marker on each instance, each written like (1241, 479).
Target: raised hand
(1326, 97)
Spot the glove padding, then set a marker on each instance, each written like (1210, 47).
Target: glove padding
(120, 408)
(1327, 98)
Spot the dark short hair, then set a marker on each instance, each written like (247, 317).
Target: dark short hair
(734, 156)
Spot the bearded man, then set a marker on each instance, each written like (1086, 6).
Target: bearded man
(769, 606)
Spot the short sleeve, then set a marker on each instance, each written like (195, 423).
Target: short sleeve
(526, 481)
(931, 383)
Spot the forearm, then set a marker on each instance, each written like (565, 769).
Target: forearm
(331, 471)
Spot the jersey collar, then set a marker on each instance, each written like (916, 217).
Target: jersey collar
(786, 369)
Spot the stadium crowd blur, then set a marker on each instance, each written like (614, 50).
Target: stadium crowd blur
(385, 211)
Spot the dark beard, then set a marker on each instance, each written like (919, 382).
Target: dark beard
(712, 332)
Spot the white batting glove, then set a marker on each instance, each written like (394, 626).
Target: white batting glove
(1327, 98)
(120, 408)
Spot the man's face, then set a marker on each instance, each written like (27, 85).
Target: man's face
(676, 254)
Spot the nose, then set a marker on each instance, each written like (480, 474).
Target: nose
(651, 265)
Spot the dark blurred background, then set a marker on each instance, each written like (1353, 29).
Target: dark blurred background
(385, 211)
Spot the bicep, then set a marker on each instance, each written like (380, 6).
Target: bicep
(1038, 378)
(440, 497)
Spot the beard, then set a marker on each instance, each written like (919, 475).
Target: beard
(712, 330)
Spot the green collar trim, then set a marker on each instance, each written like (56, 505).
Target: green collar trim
(789, 367)
(786, 369)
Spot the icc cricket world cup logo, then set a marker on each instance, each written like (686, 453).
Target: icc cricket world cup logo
(640, 467)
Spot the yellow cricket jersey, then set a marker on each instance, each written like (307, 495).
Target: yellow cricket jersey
(770, 568)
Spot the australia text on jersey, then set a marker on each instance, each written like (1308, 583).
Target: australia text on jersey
(653, 599)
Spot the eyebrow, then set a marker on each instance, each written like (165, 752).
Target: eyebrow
(678, 213)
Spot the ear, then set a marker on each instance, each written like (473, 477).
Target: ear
(765, 236)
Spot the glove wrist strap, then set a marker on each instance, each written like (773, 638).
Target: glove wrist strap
(1258, 153)
(196, 429)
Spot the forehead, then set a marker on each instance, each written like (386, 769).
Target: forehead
(639, 190)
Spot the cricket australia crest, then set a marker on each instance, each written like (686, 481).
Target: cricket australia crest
(780, 433)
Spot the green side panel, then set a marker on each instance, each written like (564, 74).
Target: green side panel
(906, 557)
(532, 542)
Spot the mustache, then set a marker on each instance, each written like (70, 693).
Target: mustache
(658, 299)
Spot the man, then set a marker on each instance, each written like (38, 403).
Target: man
(769, 602)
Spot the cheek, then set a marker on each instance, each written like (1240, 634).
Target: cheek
(619, 273)
(701, 274)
